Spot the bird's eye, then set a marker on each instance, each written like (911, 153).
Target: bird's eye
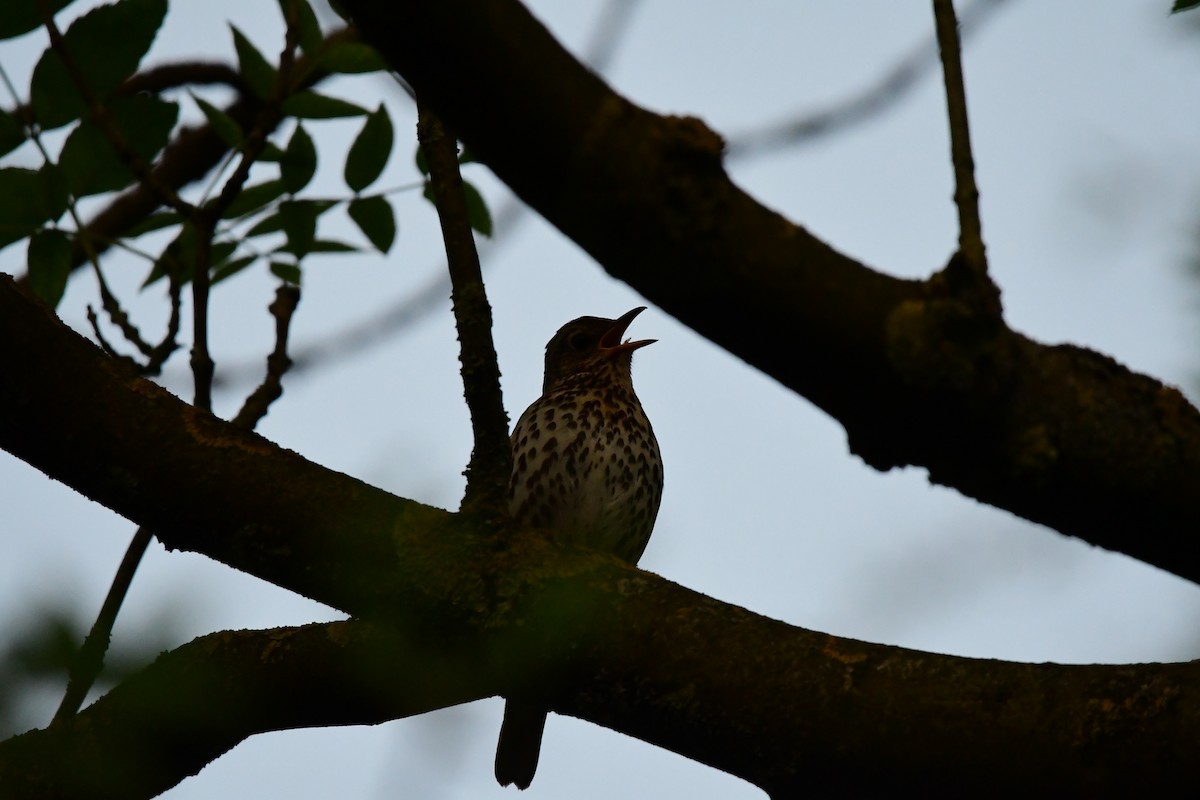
(578, 341)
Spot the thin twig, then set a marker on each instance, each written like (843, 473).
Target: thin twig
(491, 457)
(90, 659)
(287, 297)
(966, 193)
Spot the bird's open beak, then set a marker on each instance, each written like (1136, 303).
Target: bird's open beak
(610, 342)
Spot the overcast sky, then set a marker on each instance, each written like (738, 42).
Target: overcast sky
(1084, 117)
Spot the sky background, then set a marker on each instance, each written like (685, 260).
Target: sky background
(1084, 120)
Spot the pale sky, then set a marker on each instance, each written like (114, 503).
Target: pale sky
(1084, 117)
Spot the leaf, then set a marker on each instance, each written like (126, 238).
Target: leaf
(258, 72)
(310, 105)
(154, 222)
(49, 257)
(420, 160)
(375, 217)
(230, 268)
(477, 210)
(252, 198)
(28, 199)
(298, 219)
(270, 152)
(180, 255)
(88, 159)
(107, 44)
(286, 272)
(319, 246)
(22, 16)
(351, 58)
(1184, 5)
(307, 27)
(299, 161)
(370, 151)
(225, 126)
(12, 133)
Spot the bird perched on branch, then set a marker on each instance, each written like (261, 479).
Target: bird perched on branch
(586, 466)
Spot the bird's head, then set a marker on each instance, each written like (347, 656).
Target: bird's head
(591, 346)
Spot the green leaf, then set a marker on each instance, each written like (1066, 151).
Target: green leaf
(88, 159)
(299, 161)
(107, 44)
(370, 151)
(272, 223)
(298, 219)
(351, 58)
(28, 199)
(252, 198)
(270, 152)
(310, 105)
(286, 272)
(307, 27)
(225, 126)
(477, 210)
(22, 16)
(49, 265)
(376, 219)
(318, 246)
(232, 267)
(12, 133)
(154, 222)
(420, 160)
(258, 72)
(1184, 5)
(180, 255)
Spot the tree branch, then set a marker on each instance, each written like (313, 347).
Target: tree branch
(966, 193)
(200, 700)
(787, 709)
(917, 372)
(491, 456)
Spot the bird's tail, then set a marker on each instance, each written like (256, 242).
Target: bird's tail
(520, 744)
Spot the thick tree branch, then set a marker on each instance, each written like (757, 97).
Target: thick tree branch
(917, 372)
(202, 699)
(790, 710)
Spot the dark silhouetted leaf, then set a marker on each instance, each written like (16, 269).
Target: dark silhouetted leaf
(286, 272)
(28, 199)
(299, 161)
(307, 27)
(88, 159)
(226, 127)
(477, 210)
(255, 197)
(258, 72)
(22, 16)
(376, 219)
(370, 151)
(310, 105)
(49, 265)
(351, 58)
(107, 44)
(12, 133)
(232, 267)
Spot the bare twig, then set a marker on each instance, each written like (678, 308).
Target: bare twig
(90, 659)
(491, 458)
(287, 297)
(966, 193)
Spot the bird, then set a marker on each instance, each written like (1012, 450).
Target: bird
(587, 468)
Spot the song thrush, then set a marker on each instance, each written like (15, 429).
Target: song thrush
(586, 466)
